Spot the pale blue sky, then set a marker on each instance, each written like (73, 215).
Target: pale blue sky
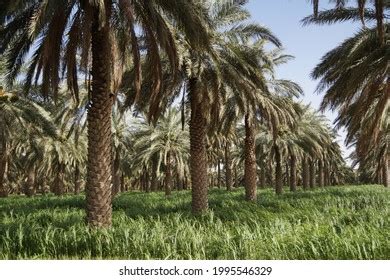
(308, 44)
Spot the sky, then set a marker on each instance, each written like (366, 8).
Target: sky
(307, 44)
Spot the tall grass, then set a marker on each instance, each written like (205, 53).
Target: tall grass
(331, 223)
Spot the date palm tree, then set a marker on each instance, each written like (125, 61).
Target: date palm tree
(355, 76)
(104, 33)
(18, 114)
(165, 144)
(362, 11)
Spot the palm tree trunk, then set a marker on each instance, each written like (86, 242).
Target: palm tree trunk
(153, 183)
(250, 175)
(59, 187)
(262, 176)
(219, 174)
(326, 174)
(287, 175)
(123, 186)
(278, 171)
(168, 176)
(312, 174)
(236, 180)
(293, 175)
(99, 175)
(30, 182)
(146, 180)
(198, 156)
(77, 180)
(116, 175)
(386, 172)
(3, 167)
(228, 167)
(305, 173)
(321, 173)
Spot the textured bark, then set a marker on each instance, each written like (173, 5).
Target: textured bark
(320, 173)
(77, 180)
(250, 175)
(293, 173)
(228, 167)
(278, 171)
(312, 174)
(116, 175)
(99, 175)
(168, 176)
(198, 156)
(305, 173)
(386, 173)
(3, 167)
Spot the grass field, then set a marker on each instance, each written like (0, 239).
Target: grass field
(332, 223)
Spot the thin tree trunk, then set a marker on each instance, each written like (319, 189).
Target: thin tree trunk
(146, 181)
(326, 174)
(305, 173)
(263, 177)
(153, 184)
(250, 175)
(77, 180)
(293, 175)
(287, 173)
(278, 172)
(30, 183)
(123, 186)
(99, 175)
(236, 180)
(228, 167)
(198, 156)
(3, 167)
(168, 176)
(386, 172)
(321, 173)
(59, 187)
(312, 174)
(219, 174)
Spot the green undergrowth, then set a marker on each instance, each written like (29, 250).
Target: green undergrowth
(332, 223)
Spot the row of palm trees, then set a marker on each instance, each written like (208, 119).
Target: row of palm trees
(151, 157)
(145, 55)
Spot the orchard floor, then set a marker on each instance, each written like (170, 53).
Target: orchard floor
(332, 223)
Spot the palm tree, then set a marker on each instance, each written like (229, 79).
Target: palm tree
(205, 75)
(16, 114)
(100, 30)
(358, 68)
(164, 146)
(340, 13)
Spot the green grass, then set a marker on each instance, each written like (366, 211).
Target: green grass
(332, 223)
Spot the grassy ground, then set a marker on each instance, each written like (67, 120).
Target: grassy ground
(333, 223)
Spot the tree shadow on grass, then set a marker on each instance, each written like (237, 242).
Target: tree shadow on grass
(24, 205)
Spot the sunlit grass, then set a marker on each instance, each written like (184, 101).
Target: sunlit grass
(332, 223)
